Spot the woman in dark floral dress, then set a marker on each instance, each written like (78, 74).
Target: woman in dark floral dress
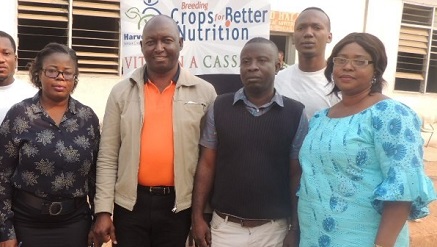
(48, 148)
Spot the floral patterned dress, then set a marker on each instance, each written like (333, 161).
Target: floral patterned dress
(351, 165)
(44, 159)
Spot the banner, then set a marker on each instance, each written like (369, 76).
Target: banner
(214, 31)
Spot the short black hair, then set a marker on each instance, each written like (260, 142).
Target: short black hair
(320, 10)
(150, 22)
(263, 41)
(6, 35)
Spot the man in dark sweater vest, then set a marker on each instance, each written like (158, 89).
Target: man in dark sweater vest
(248, 169)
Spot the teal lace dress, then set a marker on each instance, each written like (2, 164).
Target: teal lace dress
(351, 165)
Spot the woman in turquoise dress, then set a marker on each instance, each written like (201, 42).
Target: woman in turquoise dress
(362, 162)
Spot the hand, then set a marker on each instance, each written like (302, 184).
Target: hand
(201, 232)
(91, 236)
(103, 230)
(190, 239)
(208, 218)
(291, 239)
(9, 243)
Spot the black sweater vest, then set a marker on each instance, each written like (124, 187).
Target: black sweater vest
(252, 175)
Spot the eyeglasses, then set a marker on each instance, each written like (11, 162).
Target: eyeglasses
(358, 63)
(54, 73)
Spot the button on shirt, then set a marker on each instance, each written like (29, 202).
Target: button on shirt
(42, 158)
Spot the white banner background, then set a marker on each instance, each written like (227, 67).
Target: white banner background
(214, 31)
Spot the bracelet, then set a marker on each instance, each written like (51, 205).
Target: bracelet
(377, 245)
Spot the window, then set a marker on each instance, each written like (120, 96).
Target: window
(90, 27)
(417, 55)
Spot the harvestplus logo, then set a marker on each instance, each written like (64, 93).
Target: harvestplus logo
(145, 15)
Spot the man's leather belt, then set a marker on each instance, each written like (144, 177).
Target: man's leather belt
(243, 222)
(49, 207)
(157, 190)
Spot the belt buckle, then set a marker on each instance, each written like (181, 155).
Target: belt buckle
(55, 208)
(164, 190)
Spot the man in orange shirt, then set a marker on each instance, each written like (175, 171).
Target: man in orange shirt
(149, 146)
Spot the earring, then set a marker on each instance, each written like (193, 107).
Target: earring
(373, 80)
(332, 77)
(39, 83)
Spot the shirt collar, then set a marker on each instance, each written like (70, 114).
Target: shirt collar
(174, 80)
(37, 107)
(239, 95)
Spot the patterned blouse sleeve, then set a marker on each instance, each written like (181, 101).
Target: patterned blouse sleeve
(95, 147)
(9, 149)
(399, 149)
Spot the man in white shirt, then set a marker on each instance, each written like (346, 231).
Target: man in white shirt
(306, 81)
(11, 90)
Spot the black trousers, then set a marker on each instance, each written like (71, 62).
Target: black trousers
(151, 223)
(34, 229)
